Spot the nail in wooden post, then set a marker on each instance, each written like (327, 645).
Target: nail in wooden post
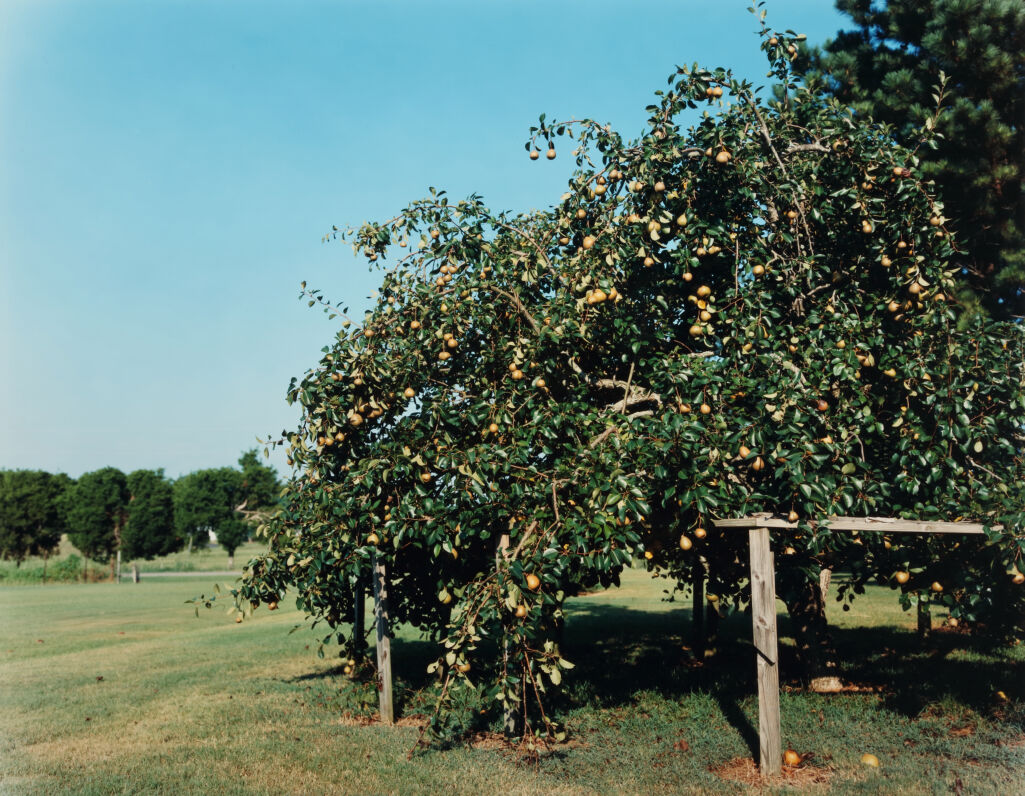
(383, 641)
(763, 617)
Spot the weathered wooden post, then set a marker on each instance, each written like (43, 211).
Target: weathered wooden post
(763, 619)
(763, 607)
(383, 640)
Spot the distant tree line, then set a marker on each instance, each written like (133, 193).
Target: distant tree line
(142, 514)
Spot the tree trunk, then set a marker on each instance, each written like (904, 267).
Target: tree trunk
(381, 620)
(115, 561)
(825, 576)
(924, 618)
(46, 557)
(231, 560)
(85, 569)
(135, 573)
(189, 548)
(698, 640)
(816, 653)
(359, 639)
(711, 624)
(510, 725)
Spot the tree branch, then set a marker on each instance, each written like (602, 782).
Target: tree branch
(519, 306)
(816, 147)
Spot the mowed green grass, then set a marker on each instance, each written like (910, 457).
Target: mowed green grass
(204, 705)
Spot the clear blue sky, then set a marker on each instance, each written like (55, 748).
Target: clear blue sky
(168, 167)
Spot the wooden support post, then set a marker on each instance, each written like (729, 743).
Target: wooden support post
(383, 641)
(763, 605)
(763, 617)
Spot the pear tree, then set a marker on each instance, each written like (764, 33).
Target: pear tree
(746, 309)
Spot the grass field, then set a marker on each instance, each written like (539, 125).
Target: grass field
(110, 688)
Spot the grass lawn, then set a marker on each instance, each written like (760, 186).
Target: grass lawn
(110, 688)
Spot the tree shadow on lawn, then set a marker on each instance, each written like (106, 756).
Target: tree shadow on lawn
(619, 652)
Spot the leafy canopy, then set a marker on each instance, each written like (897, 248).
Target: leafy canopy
(31, 522)
(149, 531)
(750, 313)
(96, 507)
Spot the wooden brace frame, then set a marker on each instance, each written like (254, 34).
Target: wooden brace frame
(763, 607)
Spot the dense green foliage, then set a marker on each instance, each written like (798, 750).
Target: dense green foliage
(889, 66)
(149, 531)
(260, 488)
(206, 500)
(143, 514)
(96, 506)
(31, 521)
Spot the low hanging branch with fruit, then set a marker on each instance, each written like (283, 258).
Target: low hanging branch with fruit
(763, 605)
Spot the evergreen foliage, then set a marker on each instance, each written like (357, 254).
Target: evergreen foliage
(888, 68)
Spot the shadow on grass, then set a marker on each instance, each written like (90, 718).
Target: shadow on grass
(620, 652)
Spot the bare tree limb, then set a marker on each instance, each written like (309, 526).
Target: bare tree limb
(816, 147)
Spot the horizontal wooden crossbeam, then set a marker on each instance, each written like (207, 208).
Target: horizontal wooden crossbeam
(884, 524)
